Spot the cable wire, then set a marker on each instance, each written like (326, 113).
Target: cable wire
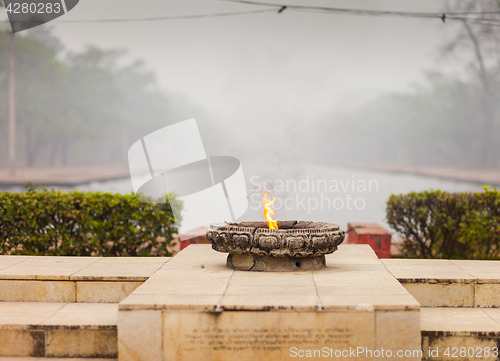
(472, 16)
(165, 18)
(447, 15)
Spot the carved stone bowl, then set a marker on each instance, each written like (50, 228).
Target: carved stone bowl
(295, 246)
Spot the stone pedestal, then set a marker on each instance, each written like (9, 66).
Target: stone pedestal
(195, 308)
(251, 262)
(295, 246)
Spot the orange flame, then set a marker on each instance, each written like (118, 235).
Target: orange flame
(268, 212)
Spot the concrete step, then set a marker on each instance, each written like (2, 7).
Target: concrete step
(460, 333)
(73, 279)
(449, 283)
(56, 329)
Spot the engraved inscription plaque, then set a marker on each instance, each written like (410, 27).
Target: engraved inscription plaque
(241, 335)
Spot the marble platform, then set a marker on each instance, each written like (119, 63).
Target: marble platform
(194, 308)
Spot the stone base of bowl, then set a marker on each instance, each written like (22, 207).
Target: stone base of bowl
(252, 262)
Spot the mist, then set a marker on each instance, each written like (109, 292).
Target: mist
(282, 92)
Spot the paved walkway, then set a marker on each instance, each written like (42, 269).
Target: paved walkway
(70, 176)
(480, 176)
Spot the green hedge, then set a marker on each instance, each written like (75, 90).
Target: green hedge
(436, 224)
(84, 224)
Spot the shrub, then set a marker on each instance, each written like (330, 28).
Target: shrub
(55, 223)
(436, 224)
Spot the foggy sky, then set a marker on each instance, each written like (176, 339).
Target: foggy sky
(266, 67)
(265, 78)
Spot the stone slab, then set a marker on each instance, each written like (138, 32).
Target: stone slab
(484, 271)
(81, 343)
(487, 295)
(494, 313)
(22, 342)
(211, 312)
(104, 291)
(37, 291)
(397, 331)
(37, 315)
(442, 295)
(96, 316)
(449, 283)
(140, 335)
(8, 261)
(26, 313)
(58, 329)
(351, 271)
(46, 268)
(74, 279)
(460, 321)
(428, 271)
(120, 269)
(460, 333)
(65, 291)
(79, 268)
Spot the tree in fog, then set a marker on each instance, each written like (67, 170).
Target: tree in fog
(479, 41)
(78, 108)
(428, 125)
(444, 120)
